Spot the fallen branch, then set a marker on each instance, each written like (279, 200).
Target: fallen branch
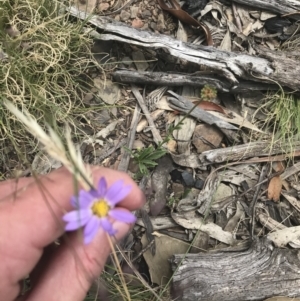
(249, 150)
(198, 79)
(254, 274)
(233, 66)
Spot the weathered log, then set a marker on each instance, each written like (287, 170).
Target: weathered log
(197, 79)
(245, 151)
(258, 273)
(233, 66)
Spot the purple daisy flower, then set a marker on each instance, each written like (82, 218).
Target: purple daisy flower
(95, 208)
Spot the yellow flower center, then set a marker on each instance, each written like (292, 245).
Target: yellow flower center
(100, 208)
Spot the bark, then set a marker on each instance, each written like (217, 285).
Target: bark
(233, 66)
(245, 151)
(197, 79)
(258, 273)
(180, 103)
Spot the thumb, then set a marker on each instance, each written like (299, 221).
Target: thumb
(67, 274)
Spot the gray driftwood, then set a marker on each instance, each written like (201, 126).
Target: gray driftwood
(258, 273)
(233, 66)
(245, 151)
(198, 79)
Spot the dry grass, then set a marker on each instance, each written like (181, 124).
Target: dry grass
(45, 62)
(282, 123)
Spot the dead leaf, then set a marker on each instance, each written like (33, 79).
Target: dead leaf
(206, 137)
(216, 10)
(184, 17)
(187, 160)
(106, 131)
(159, 181)
(191, 220)
(109, 92)
(171, 117)
(266, 15)
(163, 104)
(137, 23)
(257, 25)
(143, 123)
(184, 133)
(274, 188)
(181, 33)
(166, 246)
(237, 119)
(223, 191)
(226, 42)
(139, 60)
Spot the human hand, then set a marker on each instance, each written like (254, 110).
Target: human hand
(31, 220)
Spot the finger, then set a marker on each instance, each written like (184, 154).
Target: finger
(32, 221)
(11, 188)
(41, 210)
(73, 267)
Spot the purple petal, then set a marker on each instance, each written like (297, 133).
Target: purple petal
(76, 224)
(94, 193)
(91, 229)
(77, 215)
(83, 200)
(122, 215)
(121, 195)
(114, 189)
(107, 226)
(102, 187)
(118, 195)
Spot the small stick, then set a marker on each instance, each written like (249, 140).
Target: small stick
(123, 165)
(236, 17)
(156, 135)
(263, 174)
(150, 244)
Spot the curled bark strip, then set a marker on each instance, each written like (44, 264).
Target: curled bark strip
(207, 106)
(184, 17)
(210, 106)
